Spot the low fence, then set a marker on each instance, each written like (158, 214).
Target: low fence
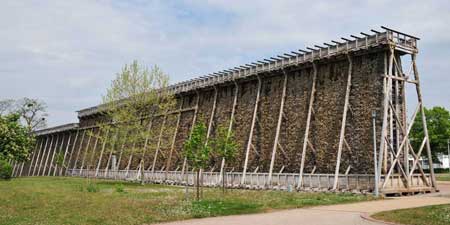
(282, 181)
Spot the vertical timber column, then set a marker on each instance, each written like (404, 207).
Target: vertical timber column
(43, 154)
(387, 89)
(71, 152)
(91, 160)
(54, 153)
(86, 149)
(343, 124)
(211, 118)
(277, 133)
(35, 154)
(48, 154)
(250, 138)
(194, 120)
(308, 124)
(230, 126)
(65, 154)
(424, 120)
(113, 145)
(101, 152)
(39, 154)
(141, 163)
(79, 149)
(174, 137)
(158, 145)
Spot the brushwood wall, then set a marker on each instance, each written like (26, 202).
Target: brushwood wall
(366, 95)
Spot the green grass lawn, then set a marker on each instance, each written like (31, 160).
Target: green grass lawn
(59, 200)
(443, 176)
(429, 215)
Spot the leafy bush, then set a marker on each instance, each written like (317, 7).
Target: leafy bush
(5, 170)
(91, 187)
(120, 188)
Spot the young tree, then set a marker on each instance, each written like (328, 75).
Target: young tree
(225, 146)
(197, 152)
(438, 123)
(15, 140)
(136, 96)
(32, 112)
(6, 106)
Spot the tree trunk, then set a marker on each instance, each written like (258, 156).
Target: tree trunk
(142, 172)
(198, 185)
(223, 179)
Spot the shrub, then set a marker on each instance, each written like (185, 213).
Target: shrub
(5, 170)
(120, 188)
(91, 187)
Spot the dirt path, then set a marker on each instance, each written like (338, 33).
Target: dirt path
(347, 214)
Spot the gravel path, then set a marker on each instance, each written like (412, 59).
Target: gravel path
(346, 214)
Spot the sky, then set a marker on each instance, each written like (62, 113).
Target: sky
(67, 52)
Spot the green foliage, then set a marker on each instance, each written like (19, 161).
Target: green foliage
(15, 140)
(92, 187)
(60, 159)
(135, 97)
(120, 188)
(438, 123)
(5, 170)
(224, 143)
(196, 149)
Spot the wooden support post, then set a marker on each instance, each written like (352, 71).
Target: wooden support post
(39, 154)
(70, 154)
(55, 149)
(113, 143)
(86, 149)
(141, 165)
(101, 153)
(94, 149)
(158, 145)
(55, 166)
(121, 151)
(174, 137)
(194, 120)
(343, 123)
(252, 127)
(44, 152)
(277, 132)
(386, 92)
(308, 124)
(79, 149)
(48, 154)
(130, 159)
(35, 155)
(230, 126)
(424, 120)
(211, 118)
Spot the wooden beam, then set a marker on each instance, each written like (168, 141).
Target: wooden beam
(343, 124)
(86, 149)
(158, 145)
(71, 154)
(79, 149)
(424, 120)
(252, 126)
(39, 153)
(101, 153)
(113, 143)
(174, 137)
(35, 156)
(308, 124)
(230, 126)
(55, 165)
(277, 132)
(386, 93)
(194, 120)
(48, 155)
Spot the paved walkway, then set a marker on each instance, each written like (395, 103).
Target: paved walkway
(347, 214)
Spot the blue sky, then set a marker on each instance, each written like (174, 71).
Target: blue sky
(67, 52)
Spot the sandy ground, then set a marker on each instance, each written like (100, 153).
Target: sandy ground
(346, 214)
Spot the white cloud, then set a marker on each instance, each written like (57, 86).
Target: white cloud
(66, 52)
